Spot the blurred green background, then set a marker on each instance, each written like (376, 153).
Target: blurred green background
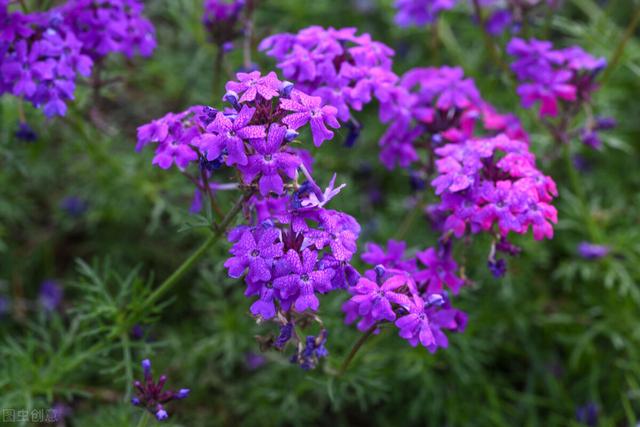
(556, 334)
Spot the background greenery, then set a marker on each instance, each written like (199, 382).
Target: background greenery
(557, 333)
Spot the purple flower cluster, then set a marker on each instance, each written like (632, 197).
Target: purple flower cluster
(553, 76)
(110, 26)
(344, 69)
(408, 292)
(291, 248)
(40, 58)
(431, 106)
(220, 19)
(420, 12)
(491, 182)
(42, 53)
(302, 251)
(253, 134)
(151, 396)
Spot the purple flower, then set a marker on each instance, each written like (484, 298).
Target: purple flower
(588, 414)
(307, 109)
(230, 132)
(252, 84)
(339, 231)
(393, 258)
(255, 250)
(424, 323)
(375, 300)
(420, 12)
(151, 396)
(50, 296)
(440, 270)
(110, 26)
(303, 280)
(269, 161)
(592, 251)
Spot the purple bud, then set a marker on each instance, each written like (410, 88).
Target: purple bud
(146, 367)
(379, 271)
(291, 135)
(25, 132)
(232, 98)
(135, 401)
(161, 414)
(605, 123)
(227, 47)
(498, 268)
(182, 394)
(592, 251)
(436, 299)
(285, 89)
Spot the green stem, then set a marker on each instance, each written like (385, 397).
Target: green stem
(489, 41)
(126, 354)
(354, 350)
(578, 189)
(175, 277)
(144, 419)
(617, 54)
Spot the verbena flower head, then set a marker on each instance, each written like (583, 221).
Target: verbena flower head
(40, 59)
(110, 26)
(344, 69)
(412, 299)
(151, 395)
(291, 248)
(220, 18)
(420, 12)
(552, 77)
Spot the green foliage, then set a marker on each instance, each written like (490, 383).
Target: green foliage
(557, 332)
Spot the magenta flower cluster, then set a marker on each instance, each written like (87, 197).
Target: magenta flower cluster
(43, 53)
(553, 77)
(408, 292)
(490, 183)
(344, 69)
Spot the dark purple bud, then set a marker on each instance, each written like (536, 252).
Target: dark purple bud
(232, 98)
(605, 123)
(353, 135)
(74, 206)
(498, 268)
(588, 414)
(25, 132)
(417, 181)
(437, 138)
(183, 393)
(592, 251)
(379, 271)
(286, 332)
(291, 134)
(161, 414)
(135, 401)
(50, 295)
(285, 89)
(227, 47)
(254, 361)
(146, 367)
(592, 139)
(351, 275)
(437, 300)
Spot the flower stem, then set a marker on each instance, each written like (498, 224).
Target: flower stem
(488, 40)
(354, 350)
(144, 419)
(188, 264)
(617, 53)
(578, 189)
